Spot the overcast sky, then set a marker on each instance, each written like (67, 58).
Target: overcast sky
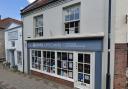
(11, 8)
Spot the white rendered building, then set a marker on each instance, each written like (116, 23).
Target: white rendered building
(13, 46)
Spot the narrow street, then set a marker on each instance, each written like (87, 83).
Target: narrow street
(17, 80)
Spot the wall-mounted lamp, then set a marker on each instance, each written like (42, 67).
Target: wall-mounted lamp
(126, 18)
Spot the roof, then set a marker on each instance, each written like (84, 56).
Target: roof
(35, 5)
(4, 23)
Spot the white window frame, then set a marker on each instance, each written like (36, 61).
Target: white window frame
(75, 29)
(51, 74)
(19, 57)
(37, 32)
(75, 55)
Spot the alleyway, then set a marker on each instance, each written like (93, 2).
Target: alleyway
(17, 80)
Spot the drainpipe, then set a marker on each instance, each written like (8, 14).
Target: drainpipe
(108, 75)
(23, 44)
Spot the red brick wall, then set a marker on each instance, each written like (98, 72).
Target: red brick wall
(58, 80)
(120, 66)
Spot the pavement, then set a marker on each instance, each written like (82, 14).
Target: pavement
(17, 80)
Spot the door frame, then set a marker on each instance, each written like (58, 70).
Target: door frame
(92, 70)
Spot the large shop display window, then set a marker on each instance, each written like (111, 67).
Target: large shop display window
(65, 64)
(52, 62)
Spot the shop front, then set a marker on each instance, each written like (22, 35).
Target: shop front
(73, 61)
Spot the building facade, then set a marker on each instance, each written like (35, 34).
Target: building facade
(13, 47)
(66, 41)
(6, 23)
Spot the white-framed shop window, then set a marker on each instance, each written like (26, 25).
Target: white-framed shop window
(65, 64)
(38, 24)
(36, 59)
(58, 63)
(72, 19)
(49, 61)
(78, 67)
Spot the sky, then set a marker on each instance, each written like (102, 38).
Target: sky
(11, 8)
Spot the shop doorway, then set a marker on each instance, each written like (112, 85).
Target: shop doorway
(84, 71)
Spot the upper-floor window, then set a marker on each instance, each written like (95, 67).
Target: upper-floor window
(39, 26)
(12, 43)
(72, 19)
(13, 35)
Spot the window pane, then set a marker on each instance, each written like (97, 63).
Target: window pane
(58, 56)
(67, 18)
(86, 68)
(76, 30)
(77, 13)
(52, 69)
(80, 67)
(53, 55)
(64, 64)
(72, 24)
(80, 77)
(72, 16)
(87, 58)
(53, 63)
(39, 53)
(35, 53)
(59, 63)
(70, 57)
(67, 25)
(64, 56)
(59, 71)
(70, 74)
(80, 58)
(87, 79)
(70, 65)
(64, 73)
(44, 54)
(48, 54)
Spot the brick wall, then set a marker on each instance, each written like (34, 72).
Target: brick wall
(120, 66)
(58, 80)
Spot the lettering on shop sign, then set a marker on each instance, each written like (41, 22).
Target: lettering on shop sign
(67, 45)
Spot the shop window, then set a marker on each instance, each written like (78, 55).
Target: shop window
(49, 61)
(38, 26)
(36, 59)
(19, 57)
(84, 68)
(72, 19)
(62, 66)
(65, 64)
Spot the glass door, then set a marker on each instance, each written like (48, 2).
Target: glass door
(84, 71)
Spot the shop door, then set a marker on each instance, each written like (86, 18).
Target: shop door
(84, 73)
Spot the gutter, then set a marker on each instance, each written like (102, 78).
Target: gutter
(108, 75)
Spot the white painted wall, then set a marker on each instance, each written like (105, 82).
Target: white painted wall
(18, 44)
(121, 27)
(92, 19)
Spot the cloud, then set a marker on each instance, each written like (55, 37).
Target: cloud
(30, 1)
